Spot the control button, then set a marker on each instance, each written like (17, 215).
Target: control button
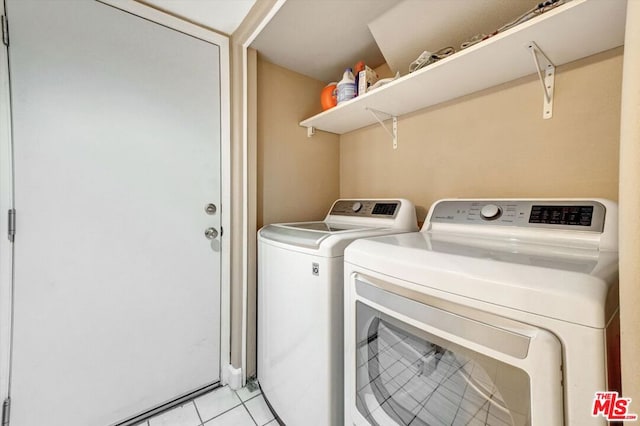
(357, 206)
(490, 212)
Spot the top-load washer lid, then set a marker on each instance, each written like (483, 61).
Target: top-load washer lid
(307, 234)
(326, 227)
(565, 270)
(346, 221)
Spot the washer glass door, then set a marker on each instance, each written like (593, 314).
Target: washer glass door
(406, 375)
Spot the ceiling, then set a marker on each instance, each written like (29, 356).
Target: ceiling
(320, 38)
(221, 15)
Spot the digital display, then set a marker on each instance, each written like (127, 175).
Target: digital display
(562, 215)
(387, 209)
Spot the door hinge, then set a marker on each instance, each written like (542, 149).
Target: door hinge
(5, 31)
(11, 228)
(6, 409)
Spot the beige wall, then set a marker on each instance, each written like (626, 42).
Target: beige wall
(495, 143)
(298, 177)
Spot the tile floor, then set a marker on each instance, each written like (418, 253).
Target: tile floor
(221, 407)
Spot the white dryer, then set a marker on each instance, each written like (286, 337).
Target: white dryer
(496, 313)
(300, 306)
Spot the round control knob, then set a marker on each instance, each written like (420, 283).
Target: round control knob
(357, 206)
(490, 212)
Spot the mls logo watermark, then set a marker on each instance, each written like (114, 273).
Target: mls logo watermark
(610, 406)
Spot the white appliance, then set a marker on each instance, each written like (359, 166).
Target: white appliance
(300, 305)
(496, 313)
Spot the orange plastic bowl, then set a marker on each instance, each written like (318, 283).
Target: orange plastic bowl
(328, 96)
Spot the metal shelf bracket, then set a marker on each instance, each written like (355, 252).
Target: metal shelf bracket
(311, 131)
(394, 124)
(546, 73)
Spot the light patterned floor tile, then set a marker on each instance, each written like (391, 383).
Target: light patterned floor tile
(239, 416)
(217, 402)
(245, 394)
(259, 410)
(185, 415)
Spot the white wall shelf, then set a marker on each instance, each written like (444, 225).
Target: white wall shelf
(570, 32)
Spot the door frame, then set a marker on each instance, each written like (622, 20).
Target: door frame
(249, 186)
(7, 183)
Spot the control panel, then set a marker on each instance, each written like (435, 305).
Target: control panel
(366, 208)
(557, 214)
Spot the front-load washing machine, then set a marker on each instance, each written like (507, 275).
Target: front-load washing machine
(300, 306)
(497, 313)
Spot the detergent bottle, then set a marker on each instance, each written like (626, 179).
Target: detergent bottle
(346, 86)
(328, 96)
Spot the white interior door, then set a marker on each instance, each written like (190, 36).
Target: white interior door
(116, 135)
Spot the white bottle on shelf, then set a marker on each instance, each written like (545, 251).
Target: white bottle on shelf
(346, 86)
